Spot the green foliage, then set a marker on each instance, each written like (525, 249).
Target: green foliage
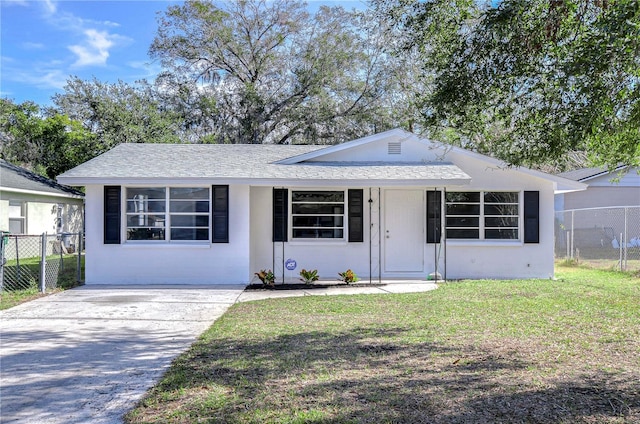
(348, 276)
(118, 113)
(47, 142)
(530, 81)
(267, 277)
(309, 276)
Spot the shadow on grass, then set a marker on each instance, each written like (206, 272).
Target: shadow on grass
(374, 375)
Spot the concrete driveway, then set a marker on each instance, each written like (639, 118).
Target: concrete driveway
(88, 354)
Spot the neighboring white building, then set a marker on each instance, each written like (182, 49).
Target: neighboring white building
(379, 205)
(33, 204)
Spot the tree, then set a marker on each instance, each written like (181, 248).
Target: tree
(49, 145)
(119, 113)
(530, 81)
(276, 73)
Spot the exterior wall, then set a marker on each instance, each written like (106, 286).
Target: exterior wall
(328, 257)
(41, 211)
(595, 197)
(169, 263)
(506, 259)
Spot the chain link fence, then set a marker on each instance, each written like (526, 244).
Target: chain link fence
(44, 262)
(600, 237)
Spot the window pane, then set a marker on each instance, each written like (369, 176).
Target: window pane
(317, 196)
(495, 197)
(501, 233)
(501, 210)
(190, 206)
(189, 193)
(317, 221)
(463, 222)
(189, 234)
(189, 221)
(145, 233)
(143, 205)
(465, 197)
(146, 193)
(317, 233)
(317, 209)
(463, 209)
(504, 221)
(463, 233)
(145, 220)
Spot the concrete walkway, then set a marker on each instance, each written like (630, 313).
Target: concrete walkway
(87, 355)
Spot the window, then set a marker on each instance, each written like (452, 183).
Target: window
(16, 217)
(168, 213)
(482, 215)
(317, 214)
(60, 217)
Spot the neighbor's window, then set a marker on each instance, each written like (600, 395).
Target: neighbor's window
(482, 215)
(317, 214)
(168, 213)
(16, 217)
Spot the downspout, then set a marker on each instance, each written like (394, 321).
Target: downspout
(370, 238)
(443, 234)
(379, 236)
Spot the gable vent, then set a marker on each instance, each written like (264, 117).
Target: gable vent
(394, 148)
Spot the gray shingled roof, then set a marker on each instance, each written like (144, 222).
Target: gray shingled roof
(242, 162)
(586, 173)
(17, 178)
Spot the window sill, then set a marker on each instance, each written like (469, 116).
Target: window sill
(488, 243)
(166, 245)
(317, 242)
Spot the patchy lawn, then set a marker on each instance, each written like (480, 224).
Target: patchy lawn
(474, 351)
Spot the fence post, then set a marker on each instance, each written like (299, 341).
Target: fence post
(626, 238)
(43, 263)
(79, 268)
(61, 256)
(17, 261)
(572, 221)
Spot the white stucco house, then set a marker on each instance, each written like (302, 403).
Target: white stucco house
(33, 204)
(391, 205)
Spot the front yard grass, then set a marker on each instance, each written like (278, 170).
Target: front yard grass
(538, 351)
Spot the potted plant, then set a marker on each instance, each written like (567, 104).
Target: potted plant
(309, 276)
(267, 277)
(348, 276)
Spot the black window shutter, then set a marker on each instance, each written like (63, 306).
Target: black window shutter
(356, 215)
(280, 212)
(112, 214)
(220, 214)
(532, 217)
(434, 216)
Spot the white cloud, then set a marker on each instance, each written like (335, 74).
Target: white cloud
(94, 51)
(50, 6)
(42, 77)
(32, 46)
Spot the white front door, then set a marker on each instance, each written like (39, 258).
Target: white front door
(403, 231)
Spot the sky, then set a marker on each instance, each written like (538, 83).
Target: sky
(44, 42)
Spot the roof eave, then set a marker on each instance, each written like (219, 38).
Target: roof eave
(272, 182)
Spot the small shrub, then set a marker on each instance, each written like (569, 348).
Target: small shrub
(267, 277)
(348, 276)
(309, 276)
